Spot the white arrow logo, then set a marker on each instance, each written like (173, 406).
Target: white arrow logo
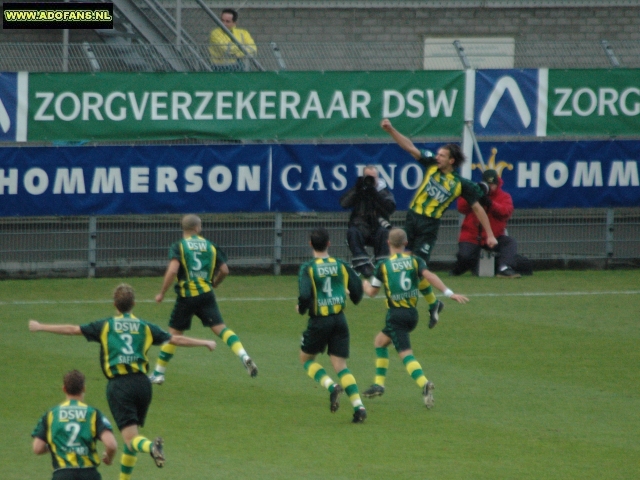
(5, 121)
(504, 84)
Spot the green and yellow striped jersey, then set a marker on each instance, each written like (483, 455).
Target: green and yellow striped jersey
(71, 430)
(199, 259)
(438, 190)
(400, 274)
(124, 342)
(324, 284)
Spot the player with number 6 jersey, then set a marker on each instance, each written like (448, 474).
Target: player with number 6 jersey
(404, 277)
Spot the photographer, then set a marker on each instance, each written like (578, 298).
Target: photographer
(372, 204)
(499, 207)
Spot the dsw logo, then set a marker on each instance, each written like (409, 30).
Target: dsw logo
(5, 121)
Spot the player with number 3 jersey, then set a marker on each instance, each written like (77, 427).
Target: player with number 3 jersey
(124, 342)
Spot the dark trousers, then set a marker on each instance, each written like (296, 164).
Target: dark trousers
(359, 237)
(469, 254)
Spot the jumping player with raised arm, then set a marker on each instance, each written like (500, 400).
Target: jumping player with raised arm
(440, 186)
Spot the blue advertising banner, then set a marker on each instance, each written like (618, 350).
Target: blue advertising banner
(506, 102)
(566, 174)
(51, 181)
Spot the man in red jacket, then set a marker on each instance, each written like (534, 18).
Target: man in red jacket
(499, 207)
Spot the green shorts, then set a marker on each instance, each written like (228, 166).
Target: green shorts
(129, 397)
(399, 324)
(90, 473)
(331, 332)
(422, 233)
(203, 306)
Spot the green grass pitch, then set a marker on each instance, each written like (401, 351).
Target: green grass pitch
(536, 378)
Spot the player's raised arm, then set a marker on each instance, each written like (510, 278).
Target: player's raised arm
(403, 142)
(36, 326)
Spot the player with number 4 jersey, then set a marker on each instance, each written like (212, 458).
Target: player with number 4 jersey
(324, 284)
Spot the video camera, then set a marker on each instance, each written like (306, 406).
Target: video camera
(366, 183)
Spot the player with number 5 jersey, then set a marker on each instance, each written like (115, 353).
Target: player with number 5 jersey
(200, 266)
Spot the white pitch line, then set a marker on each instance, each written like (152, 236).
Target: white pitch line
(289, 299)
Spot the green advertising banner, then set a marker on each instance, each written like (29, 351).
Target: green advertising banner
(248, 106)
(593, 102)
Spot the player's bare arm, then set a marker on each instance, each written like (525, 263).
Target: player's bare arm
(405, 143)
(222, 273)
(169, 278)
(182, 341)
(435, 281)
(36, 326)
(369, 289)
(484, 221)
(110, 447)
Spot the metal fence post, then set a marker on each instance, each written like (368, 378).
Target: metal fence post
(93, 233)
(609, 235)
(277, 250)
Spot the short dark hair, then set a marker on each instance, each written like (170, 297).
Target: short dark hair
(319, 239)
(73, 382)
(232, 12)
(124, 298)
(456, 153)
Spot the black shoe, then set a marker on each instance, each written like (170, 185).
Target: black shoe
(157, 452)
(435, 313)
(334, 398)
(508, 273)
(366, 270)
(251, 367)
(359, 416)
(374, 390)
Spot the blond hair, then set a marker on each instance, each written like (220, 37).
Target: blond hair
(397, 238)
(191, 223)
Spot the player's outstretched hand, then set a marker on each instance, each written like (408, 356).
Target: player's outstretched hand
(159, 298)
(386, 125)
(211, 345)
(34, 326)
(459, 298)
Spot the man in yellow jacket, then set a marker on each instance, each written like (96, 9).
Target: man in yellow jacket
(225, 54)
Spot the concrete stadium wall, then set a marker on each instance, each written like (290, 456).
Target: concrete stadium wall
(398, 24)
